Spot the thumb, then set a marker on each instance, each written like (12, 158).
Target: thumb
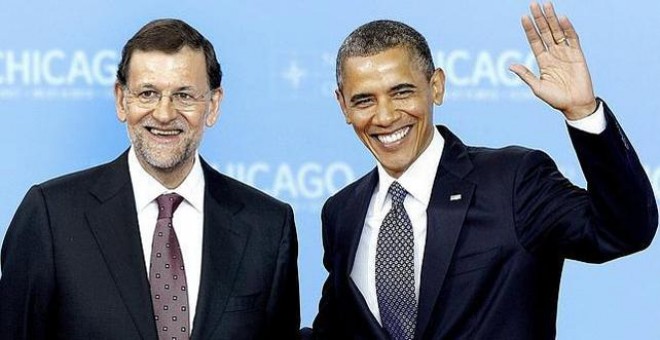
(525, 75)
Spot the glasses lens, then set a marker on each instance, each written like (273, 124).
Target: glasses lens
(181, 101)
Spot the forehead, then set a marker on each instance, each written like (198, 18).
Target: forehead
(385, 69)
(186, 67)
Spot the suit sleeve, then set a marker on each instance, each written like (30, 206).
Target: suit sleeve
(284, 302)
(27, 283)
(326, 323)
(616, 215)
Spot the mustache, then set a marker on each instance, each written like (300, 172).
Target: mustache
(177, 124)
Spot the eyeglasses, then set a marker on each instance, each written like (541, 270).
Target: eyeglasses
(148, 99)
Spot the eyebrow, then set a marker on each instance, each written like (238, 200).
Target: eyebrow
(145, 86)
(186, 88)
(153, 87)
(403, 86)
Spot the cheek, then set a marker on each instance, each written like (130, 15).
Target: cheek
(417, 109)
(360, 120)
(417, 105)
(195, 120)
(134, 119)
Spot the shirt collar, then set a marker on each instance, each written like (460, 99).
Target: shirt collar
(146, 188)
(419, 177)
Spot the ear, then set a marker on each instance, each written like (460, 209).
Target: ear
(214, 110)
(438, 86)
(120, 104)
(342, 104)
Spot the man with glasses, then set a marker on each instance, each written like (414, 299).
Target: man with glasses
(155, 244)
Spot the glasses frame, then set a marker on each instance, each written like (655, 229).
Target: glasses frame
(150, 104)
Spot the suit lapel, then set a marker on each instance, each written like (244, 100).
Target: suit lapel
(352, 221)
(114, 224)
(351, 224)
(450, 200)
(224, 242)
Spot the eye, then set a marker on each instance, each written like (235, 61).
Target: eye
(148, 94)
(363, 103)
(402, 94)
(184, 96)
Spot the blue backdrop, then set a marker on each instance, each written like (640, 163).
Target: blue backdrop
(281, 130)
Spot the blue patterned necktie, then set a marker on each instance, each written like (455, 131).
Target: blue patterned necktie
(395, 271)
(167, 275)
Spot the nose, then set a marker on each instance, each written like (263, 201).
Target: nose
(386, 113)
(164, 111)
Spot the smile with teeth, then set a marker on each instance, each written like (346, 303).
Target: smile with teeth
(159, 132)
(394, 136)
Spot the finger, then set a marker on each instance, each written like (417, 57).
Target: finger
(569, 32)
(526, 76)
(535, 42)
(542, 24)
(553, 22)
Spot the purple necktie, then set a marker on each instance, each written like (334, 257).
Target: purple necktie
(167, 277)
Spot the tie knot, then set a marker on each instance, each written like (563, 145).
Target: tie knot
(398, 193)
(167, 204)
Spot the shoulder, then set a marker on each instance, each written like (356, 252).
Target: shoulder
(65, 196)
(509, 159)
(488, 155)
(224, 187)
(480, 161)
(251, 194)
(352, 195)
(75, 184)
(74, 179)
(357, 186)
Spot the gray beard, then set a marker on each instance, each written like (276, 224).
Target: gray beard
(170, 163)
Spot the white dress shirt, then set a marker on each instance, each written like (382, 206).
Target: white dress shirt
(188, 219)
(418, 181)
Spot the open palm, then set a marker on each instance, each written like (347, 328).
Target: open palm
(564, 81)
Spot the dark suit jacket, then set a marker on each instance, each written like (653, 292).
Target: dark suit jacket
(493, 259)
(73, 265)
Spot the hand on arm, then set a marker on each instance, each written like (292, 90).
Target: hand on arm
(564, 81)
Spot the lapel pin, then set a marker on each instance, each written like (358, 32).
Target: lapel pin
(455, 197)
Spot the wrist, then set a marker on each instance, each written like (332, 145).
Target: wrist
(581, 111)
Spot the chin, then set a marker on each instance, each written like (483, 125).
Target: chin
(164, 163)
(394, 168)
